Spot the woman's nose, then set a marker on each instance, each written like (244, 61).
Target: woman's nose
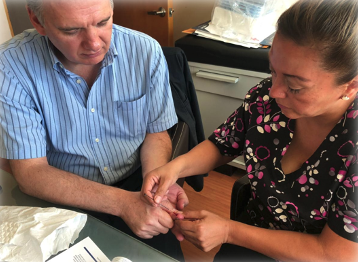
(278, 88)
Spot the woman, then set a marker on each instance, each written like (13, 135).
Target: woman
(298, 132)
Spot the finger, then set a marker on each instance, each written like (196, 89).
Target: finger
(182, 200)
(148, 184)
(176, 232)
(148, 199)
(193, 214)
(165, 219)
(186, 226)
(162, 190)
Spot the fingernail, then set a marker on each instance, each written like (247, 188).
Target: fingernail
(157, 199)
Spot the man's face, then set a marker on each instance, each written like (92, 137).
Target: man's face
(81, 30)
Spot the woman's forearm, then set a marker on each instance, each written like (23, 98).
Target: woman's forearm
(286, 245)
(201, 159)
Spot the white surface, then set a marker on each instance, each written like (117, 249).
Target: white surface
(34, 234)
(5, 33)
(85, 250)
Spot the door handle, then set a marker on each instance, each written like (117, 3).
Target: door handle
(161, 12)
(218, 77)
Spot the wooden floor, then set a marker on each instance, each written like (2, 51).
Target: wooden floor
(215, 197)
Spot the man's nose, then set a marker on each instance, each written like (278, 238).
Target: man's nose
(92, 41)
(278, 88)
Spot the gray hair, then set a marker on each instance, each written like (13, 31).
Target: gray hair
(37, 7)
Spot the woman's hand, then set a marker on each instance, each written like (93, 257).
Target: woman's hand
(204, 229)
(158, 182)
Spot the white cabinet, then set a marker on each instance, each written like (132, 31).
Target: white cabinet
(221, 90)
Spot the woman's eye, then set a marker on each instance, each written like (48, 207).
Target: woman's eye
(293, 91)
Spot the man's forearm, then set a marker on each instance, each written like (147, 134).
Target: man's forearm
(37, 178)
(156, 151)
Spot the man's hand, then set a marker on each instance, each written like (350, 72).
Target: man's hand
(176, 195)
(144, 220)
(204, 229)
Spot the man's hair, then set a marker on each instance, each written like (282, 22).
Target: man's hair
(37, 7)
(330, 27)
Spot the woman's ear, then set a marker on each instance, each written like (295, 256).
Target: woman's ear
(352, 88)
(35, 22)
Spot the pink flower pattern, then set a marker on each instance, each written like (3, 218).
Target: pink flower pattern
(325, 188)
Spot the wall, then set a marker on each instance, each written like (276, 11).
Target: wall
(5, 31)
(187, 13)
(18, 15)
(190, 13)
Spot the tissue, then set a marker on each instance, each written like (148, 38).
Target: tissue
(34, 234)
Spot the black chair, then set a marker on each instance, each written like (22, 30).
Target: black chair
(240, 195)
(190, 129)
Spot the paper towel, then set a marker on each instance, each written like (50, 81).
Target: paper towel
(33, 234)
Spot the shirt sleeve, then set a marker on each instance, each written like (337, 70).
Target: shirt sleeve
(22, 135)
(343, 218)
(162, 113)
(229, 137)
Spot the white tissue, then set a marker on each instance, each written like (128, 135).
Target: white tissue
(33, 234)
(121, 259)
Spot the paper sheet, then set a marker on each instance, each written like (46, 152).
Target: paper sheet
(84, 251)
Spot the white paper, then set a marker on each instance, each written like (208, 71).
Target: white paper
(84, 251)
(33, 234)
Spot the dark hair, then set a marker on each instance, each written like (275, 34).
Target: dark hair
(330, 27)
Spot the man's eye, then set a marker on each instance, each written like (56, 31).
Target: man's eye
(102, 24)
(71, 32)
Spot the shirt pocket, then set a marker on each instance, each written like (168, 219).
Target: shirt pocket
(132, 117)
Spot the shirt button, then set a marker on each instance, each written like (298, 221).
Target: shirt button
(78, 81)
(97, 140)
(105, 168)
(93, 110)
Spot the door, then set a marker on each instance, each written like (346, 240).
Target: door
(134, 14)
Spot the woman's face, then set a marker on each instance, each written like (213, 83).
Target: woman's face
(300, 86)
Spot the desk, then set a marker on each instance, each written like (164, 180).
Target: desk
(111, 241)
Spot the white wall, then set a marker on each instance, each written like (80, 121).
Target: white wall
(190, 13)
(5, 32)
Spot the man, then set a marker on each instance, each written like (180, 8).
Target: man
(85, 104)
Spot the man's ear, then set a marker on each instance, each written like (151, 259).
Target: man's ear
(352, 87)
(35, 21)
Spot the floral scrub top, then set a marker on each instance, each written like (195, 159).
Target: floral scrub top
(325, 188)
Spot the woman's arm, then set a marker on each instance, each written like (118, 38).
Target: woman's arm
(201, 159)
(209, 230)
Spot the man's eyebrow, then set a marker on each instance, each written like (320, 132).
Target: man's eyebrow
(289, 75)
(75, 28)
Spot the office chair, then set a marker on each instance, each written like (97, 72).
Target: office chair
(240, 195)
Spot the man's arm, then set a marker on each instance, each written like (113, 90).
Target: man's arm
(156, 151)
(37, 178)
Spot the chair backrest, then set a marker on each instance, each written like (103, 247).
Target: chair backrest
(185, 102)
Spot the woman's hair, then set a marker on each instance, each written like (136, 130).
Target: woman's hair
(330, 27)
(37, 7)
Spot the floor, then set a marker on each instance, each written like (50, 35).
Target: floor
(215, 197)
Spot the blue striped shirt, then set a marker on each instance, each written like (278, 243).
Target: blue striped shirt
(46, 110)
